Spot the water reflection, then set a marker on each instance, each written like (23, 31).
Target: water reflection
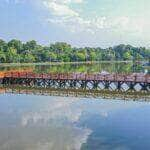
(80, 93)
(116, 67)
(30, 122)
(40, 123)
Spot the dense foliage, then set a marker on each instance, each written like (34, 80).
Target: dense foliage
(16, 51)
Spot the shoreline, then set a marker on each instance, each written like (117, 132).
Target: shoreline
(63, 63)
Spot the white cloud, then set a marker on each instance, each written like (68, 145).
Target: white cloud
(118, 25)
(66, 17)
(79, 24)
(123, 27)
(129, 25)
(57, 109)
(59, 9)
(75, 21)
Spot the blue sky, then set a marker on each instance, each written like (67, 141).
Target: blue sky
(79, 22)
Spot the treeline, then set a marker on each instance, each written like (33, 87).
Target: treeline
(16, 51)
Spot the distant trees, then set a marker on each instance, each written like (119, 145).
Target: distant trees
(127, 56)
(2, 57)
(16, 51)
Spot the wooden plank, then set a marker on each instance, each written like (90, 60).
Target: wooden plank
(110, 77)
(90, 77)
(120, 77)
(81, 76)
(100, 77)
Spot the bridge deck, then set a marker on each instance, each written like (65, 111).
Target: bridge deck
(138, 78)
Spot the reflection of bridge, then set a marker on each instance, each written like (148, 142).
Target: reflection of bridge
(81, 93)
(113, 82)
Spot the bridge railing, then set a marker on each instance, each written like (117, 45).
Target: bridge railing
(2, 75)
(81, 76)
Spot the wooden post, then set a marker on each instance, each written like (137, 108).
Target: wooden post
(135, 78)
(118, 85)
(11, 74)
(18, 74)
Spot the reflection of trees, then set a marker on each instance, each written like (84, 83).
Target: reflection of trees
(17, 68)
(125, 68)
(137, 68)
(89, 68)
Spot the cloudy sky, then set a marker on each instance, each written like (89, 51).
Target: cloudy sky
(79, 22)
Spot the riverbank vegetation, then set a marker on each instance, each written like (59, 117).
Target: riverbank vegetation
(88, 68)
(16, 51)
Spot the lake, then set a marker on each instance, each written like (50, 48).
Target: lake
(115, 67)
(29, 122)
(39, 122)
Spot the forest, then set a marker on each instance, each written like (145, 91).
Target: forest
(16, 51)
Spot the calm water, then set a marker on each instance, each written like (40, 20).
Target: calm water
(89, 68)
(29, 122)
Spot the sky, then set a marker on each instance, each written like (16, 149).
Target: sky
(94, 23)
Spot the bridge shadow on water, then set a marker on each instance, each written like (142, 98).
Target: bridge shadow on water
(129, 95)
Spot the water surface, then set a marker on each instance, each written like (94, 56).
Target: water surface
(111, 67)
(29, 122)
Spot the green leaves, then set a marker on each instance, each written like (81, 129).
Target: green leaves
(16, 51)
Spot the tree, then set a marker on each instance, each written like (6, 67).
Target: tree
(29, 58)
(16, 44)
(93, 56)
(31, 45)
(3, 45)
(60, 47)
(2, 57)
(12, 56)
(16, 51)
(52, 56)
(127, 56)
(80, 56)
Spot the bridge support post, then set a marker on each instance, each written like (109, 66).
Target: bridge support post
(144, 86)
(119, 85)
(83, 84)
(107, 84)
(131, 86)
(95, 85)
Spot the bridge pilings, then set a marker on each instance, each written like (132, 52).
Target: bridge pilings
(77, 84)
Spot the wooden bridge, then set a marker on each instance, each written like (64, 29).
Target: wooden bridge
(124, 82)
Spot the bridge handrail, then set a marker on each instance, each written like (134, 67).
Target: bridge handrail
(81, 76)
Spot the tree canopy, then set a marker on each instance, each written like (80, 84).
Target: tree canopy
(16, 51)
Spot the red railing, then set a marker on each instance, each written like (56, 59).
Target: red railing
(81, 76)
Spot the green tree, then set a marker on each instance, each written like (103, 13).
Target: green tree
(52, 56)
(80, 56)
(12, 56)
(29, 58)
(127, 56)
(31, 45)
(3, 45)
(16, 44)
(93, 56)
(2, 57)
(16, 51)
